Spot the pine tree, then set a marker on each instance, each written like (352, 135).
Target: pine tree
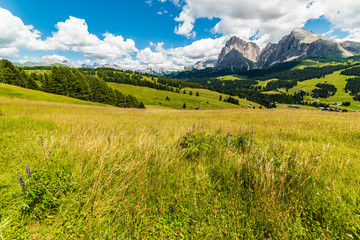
(190, 93)
(29, 81)
(10, 74)
(141, 105)
(197, 94)
(184, 105)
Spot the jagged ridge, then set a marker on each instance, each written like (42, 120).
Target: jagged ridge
(241, 55)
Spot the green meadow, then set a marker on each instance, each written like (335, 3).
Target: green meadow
(338, 80)
(207, 100)
(109, 173)
(12, 91)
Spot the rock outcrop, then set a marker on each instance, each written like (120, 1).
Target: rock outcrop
(211, 63)
(299, 43)
(238, 54)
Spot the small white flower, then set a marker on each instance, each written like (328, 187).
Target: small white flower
(317, 194)
(350, 236)
(328, 188)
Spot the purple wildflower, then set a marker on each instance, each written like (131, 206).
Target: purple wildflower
(22, 183)
(50, 152)
(28, 171)
(228, 134)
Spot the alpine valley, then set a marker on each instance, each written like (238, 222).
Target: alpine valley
(256, 143)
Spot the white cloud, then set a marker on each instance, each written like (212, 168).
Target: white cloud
(14, 34)
(29, 59)
(268, 20)
(176, 58)
(73, 35)
(187, 25)
(10, 52)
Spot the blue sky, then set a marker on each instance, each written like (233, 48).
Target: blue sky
(159, 33)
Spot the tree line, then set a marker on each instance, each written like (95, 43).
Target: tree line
(355, 71)
(138, 79)
(9, 74)
(324, 90)
(67, 82)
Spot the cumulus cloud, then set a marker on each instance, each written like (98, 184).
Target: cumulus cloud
(176, 58)
(73, 35)
(15, 34)
(187, 25)
(266, 20)
(9, 52)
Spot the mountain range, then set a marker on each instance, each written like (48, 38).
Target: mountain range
(239, 55)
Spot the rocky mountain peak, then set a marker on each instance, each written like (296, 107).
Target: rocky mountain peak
(238, 54)
(249, 50)
(304, 36)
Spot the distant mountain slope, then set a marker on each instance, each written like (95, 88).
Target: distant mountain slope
(299, 43)
(211, 63)
(239, 55)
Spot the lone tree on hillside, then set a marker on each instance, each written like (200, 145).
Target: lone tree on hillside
(190, 93)
(184, 105)
(197, 94)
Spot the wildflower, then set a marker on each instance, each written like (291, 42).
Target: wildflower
(22, 183)
(194, 126)
(50, 152)
(28, 171)
(350, 236)
(228, 134)
(328, 188)
(42, 141)
(318, 194)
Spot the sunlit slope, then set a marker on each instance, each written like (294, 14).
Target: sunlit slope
(338, 80)
(12, 91)
(154, 98)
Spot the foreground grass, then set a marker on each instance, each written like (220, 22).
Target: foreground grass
(109, 173)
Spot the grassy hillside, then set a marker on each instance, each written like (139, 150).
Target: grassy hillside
(153, 97)
(111, 173)
(336, 79)
(12, 91)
